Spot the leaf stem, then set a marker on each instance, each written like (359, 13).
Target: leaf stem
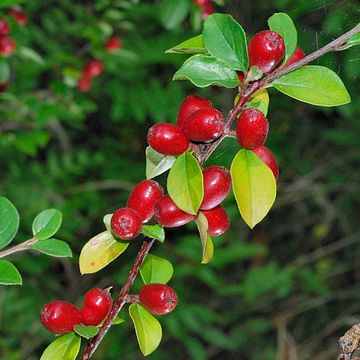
(21, 247)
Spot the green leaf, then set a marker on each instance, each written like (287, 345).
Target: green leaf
(315, 85)
(206, 241)
(204, 70)
(118, 320)
(154, 232)
(9, 274)
(29, 54)
(156, 270)
(65, 347)
(100, 251)
(194, 45)
(185, 183)
(86, 332)
(4, 71)
(354, 40)
(9, 222)
(53, 247)
(284, 26)
(254, 186)
(7, 3)
(173, 12)
(46, 224)
(259, 100)
(147, 327)
(225, 39)
(107, 221)
(157, 163)
(254, 74)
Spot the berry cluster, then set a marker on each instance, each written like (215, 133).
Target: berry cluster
(206, 7)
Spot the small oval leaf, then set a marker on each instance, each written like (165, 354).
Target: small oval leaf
(194, 45)
(99, 251)
(9, 222)
(86, 332)
(260, 101)
(154, 232)
(147, 327)
(185, 183)
(46, 224)
(53, 247)
(156, 270)
(157, 163)
(254, 186)
(206, 240)
(9, 274)
(65, 347)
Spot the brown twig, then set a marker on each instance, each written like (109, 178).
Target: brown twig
(21, 247)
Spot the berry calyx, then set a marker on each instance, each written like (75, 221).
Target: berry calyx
(143, 198)
(113, 44)
(167, 139)
(93, 68)
(218, 221)
(266, 155)
(266, 50)
(84, 84)
(18, 15)
(203, 125)
(4, 27)
(97, 305)
(158, 299)
(60, 317)
(189, 105)
(296, 56)
(7, 45)
(217, 182)
(168, 214)
(126, 223)
(252, 129)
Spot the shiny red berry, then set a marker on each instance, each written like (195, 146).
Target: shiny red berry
(217, 182)
(126, 224)
(18, 15)
(113, 44)
(203, 125)
(269, 159)
(4, 27)
(93, 68)
(218, 220)
(168, 214)
(97, 305)
(207, 10)
(252, 129)
(200, 2)
(167, 139)
(7, 45)
(158, 299)
(266, 50)
(296, 56)
(60, 317)
(84, 84)
(143, 198)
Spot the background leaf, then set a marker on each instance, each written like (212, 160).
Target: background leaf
(154, 232)
(173, 12)
(4, 71)
(194, 45)
(46, 224)
(53, 247)
(9, 222)
(354, 40)
(206, 240)
(157, 163)
(65, 347)
(86, 332)
(156, 270)
(9, 274)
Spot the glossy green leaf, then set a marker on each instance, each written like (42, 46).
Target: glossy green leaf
(315, 85)
(283, 25)
(46, 224)
(206, 241)
(9, 274)
(254, 186)
(86, 332)
(4, 71)
(185, 183)
(354, 40)
(118, 320)
(65, 347)
(259, 100)
(107, 221)
(225, 39)
(254, 74)
(147, 327)
(154, 232)
(9, 222)
(194, 45)
(173, 12)
(156, 270)
(99, 251)
(157, 163)
(53, 247)
(204, 70)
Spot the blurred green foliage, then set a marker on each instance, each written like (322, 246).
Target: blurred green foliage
(289, 285)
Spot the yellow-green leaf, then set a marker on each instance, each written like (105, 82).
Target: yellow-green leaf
(206, 241)
(254, 186)
(259, 100)
(156, 270)
(64, 347)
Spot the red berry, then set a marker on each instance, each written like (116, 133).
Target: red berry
(168, 214)
(266, 50)
(217, 182)
(241, 76)
(7, 45)
(189, 105)
(167, 139)
(97, 305)
(93, 68)
(218, 221)
(269, 159)
(296, 56)
(126, 223)
(201, 2)
(158, 299)
(60, 317)
(204, 125)
(113, 44)
(143, 198)
(207, 9)
(4, 27)
(84, 83)
(4, 86)
(18, 15)
(252, 129)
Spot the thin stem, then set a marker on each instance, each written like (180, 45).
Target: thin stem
(21, 247)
